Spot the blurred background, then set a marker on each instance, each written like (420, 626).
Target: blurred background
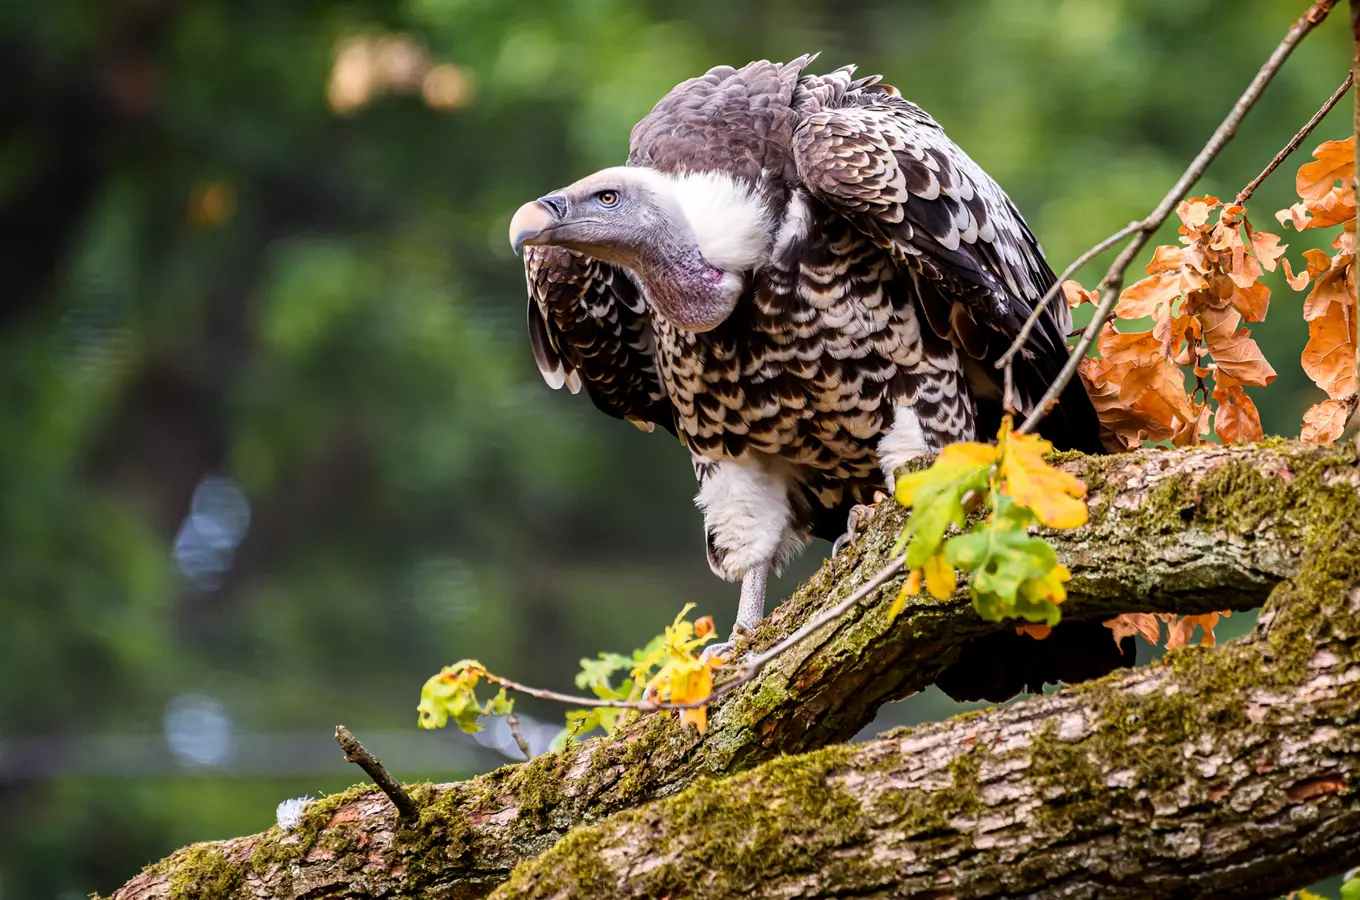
(273, 447)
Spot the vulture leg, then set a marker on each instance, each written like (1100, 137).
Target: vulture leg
(748, 530)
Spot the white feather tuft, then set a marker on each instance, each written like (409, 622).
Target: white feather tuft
(904, 442)
(747, 516)
(289, 812)
(730, 219)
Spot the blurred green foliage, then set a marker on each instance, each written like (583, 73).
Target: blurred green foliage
(272, 445)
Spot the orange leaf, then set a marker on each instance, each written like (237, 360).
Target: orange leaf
(1137, 347)
(1145, 625)
(1179, 631)
(1189, 433)
(1166, 258)
(1335, 207)
(1077, 295)
(1267, 248)
(1330, 288)
(1038, 632)
(1324, 422)
(1318, 262)
(1252, 302)
(1233, 349)
(1194, 213)
(1122, 424)
(703, 626)
(1159, 389)
(1144, 297)
(1329, 357)
(1335, 161)
(1236, 420)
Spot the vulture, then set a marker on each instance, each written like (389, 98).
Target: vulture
(804, 280)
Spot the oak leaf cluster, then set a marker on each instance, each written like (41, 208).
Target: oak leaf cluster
(1175, 361)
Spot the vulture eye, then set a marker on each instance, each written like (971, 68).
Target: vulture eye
(608, 198)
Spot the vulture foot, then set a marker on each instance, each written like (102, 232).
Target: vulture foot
(861, 514)
(750, 610)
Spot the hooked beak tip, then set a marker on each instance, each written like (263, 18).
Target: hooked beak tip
(530, 221)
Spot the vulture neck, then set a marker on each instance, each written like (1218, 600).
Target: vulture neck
(687, 290)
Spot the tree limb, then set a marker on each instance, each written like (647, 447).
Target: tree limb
(1216, 772)
(1190, 530)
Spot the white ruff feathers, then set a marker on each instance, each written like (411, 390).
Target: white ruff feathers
(731, 223)
(730, 220)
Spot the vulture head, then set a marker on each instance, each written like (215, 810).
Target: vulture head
(691, 239)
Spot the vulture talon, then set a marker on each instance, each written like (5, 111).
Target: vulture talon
(861, 514)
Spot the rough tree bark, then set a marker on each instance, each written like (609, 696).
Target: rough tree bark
(1192, 777)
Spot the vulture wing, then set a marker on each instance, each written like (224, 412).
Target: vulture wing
(588, 326)
(886, 166)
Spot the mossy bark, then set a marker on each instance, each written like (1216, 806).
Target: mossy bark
(1190, 531)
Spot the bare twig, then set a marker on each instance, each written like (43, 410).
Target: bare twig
(1355, 130)
(1113, 281)
(512, 721)
(1297, 139)
(358, 754)
(1007, 360)
(748, 669)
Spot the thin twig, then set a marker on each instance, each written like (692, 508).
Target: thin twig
(1113, 281)
(512, 720)
(747, 670)
(1296, 140)
(1355, 133)
(1007, 360)
(358, 754)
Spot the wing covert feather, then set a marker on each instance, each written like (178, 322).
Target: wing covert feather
(886, 166)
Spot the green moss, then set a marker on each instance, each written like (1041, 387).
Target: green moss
(438, 840)
(925, 815)
(1067, 780)
(347, 845)
(537, 784)
(728, 834)
(202, 872)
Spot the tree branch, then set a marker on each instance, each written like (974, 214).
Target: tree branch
(358, 754)
(1191, 530)
(1217, 772)
(1113, 281)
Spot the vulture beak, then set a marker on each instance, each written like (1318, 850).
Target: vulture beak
(533, 219)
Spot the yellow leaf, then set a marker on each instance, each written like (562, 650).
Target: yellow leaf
(951, 463)
(910, 588)
(939, 577)
(1054, 496)
(1048, 588)
(692, 687)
